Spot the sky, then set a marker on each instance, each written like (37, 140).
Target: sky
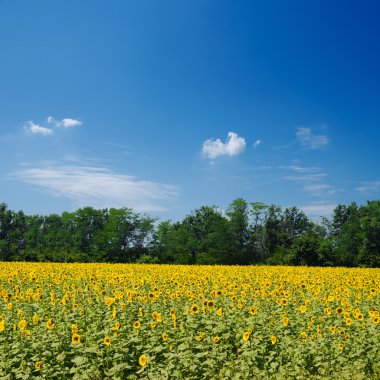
(167, 106)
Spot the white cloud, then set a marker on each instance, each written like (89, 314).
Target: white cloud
(37, 129)
(309, 140)
(312, 179)
(234, 145)
(318, 209)
(320, 189)
(306, 177)
(256, 143)
(33, 128)
(302, 169)
(369, 187)
(66, 122)
(99, 187)
(70, 122)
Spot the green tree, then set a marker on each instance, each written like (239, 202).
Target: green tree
(238, 216)
(369, 254)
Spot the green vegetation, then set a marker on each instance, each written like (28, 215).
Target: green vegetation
(247, 233)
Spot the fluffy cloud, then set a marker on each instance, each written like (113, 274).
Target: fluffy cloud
(309, 140)
(36, 129)
(234, 145)
(99, 187)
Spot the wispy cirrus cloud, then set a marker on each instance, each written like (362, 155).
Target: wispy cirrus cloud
(318, 209)
(308, 177)
(319, 189)
(302, 169)
(309, 140)
(98, 187)
(36, 129)
(312, 179)
(234, 145)
(256, 144)
(369, 187)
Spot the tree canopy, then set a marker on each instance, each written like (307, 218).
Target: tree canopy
(245, 233)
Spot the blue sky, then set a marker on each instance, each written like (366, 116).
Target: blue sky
(165, 106)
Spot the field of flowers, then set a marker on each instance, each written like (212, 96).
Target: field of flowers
(99, 321)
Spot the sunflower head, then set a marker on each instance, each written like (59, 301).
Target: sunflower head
(143, 360)
(75, 339)
(107, 341)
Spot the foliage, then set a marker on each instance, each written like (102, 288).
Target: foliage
(246, 233)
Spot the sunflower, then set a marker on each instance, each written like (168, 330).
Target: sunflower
(136, 325)
(246, 335)
(303, 309)
(220, 311)
(375, 320)
(107, 341)
(22, 324)
(38, 365)
(348, 321)
(50, 324)
(35, 319)
(194, 309)
(252, 310)
(273, 339)
(109, 301)
(143, 360)
(165, 337)
(116, 326)
(75, 339)
(341, 346)
(339, 310)
(216, 339)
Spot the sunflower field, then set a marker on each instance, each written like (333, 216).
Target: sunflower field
(130, 321)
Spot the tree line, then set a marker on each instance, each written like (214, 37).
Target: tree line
(245, 233)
